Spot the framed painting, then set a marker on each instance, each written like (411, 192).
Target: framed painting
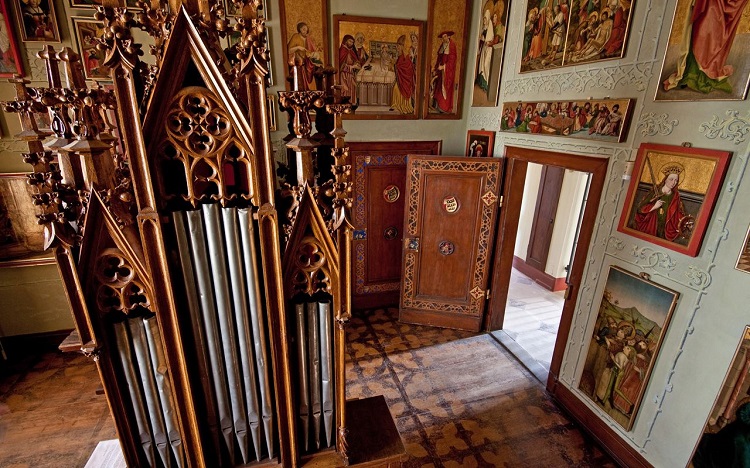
(743, 261)
(379, 65)
(10, 63)
(87, 32)
(593, 119)
(21, 236)
(490, 51)
(559, 34)
(708, 53)
(597, 30)
(232, 9)
(723, 442)
(671, 195)
(447, 34)
(633, 318)
(304, 30)
(37, 20)
(480, 143)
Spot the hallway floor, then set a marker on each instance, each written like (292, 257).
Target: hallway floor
(532, 318)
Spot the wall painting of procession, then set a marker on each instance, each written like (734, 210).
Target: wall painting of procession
(379, 65)
(708, 53)
(493, 25)
(561, 33)
(595, 119)
(671, 195)
(630, 327)
(447, 34)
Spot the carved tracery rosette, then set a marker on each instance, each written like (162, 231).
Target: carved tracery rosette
(118, 286)
(200, 141)
(312, 272)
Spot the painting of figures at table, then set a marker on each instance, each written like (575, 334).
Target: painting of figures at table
(598, 30)
(379, 62)
(603, 119)
(708, 54)
(489, 60)
(633, 316)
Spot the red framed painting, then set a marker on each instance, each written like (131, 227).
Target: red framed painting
(672, 192)
(480, 143)
(10, 63)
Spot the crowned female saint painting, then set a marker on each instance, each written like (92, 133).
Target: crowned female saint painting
(671, 195)
(708, 54)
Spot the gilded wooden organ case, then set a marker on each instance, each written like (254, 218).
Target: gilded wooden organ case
(215, 314)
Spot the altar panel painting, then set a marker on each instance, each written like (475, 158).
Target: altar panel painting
(493, 23)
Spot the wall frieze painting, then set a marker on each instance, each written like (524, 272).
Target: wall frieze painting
(652, 124)
(611, 77)
(707, 54)
(605, 120)
(557, 34)
(733, 128)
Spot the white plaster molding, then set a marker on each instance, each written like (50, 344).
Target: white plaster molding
(486, 118)
(701, 278)
(651, 124)
(733, 128)
(636, 74)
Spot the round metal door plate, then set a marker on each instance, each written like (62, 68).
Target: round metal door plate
(390, 233)
(391, 194)
(451, 204)
(446, 247)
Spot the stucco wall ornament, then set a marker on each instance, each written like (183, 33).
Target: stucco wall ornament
(651, 124)
(635, 74)
(733, 128)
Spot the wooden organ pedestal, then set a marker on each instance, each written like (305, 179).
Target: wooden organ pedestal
(214, 308)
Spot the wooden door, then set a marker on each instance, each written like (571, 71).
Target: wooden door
(449, 229)
(545, 211)
(378, 217)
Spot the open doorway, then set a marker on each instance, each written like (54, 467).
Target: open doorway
(521, 161)
(551, 211)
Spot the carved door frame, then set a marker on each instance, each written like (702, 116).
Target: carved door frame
(517, 160)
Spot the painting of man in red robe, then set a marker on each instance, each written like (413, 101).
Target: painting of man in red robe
(444, 75)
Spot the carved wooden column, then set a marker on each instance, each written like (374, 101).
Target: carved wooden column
(126, 69)
(342, 203)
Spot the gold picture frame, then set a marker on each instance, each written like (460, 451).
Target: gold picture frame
(304, 33)
(87, 31)
(21, 236)
(37, 20)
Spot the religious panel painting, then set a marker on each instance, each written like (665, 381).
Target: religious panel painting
(557, 33)
(87, 32)
(631, 324)
(379, 63)
(724, 438)
(594, 119)
(708, 53)
(480, 143)
(447, 34)
(21, 236)
(10, 62)
(37, 21)
(671, 195)
(489, 60)
(304, 31)
(743, 261)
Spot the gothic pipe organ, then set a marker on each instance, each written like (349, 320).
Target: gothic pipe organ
(215, 309)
